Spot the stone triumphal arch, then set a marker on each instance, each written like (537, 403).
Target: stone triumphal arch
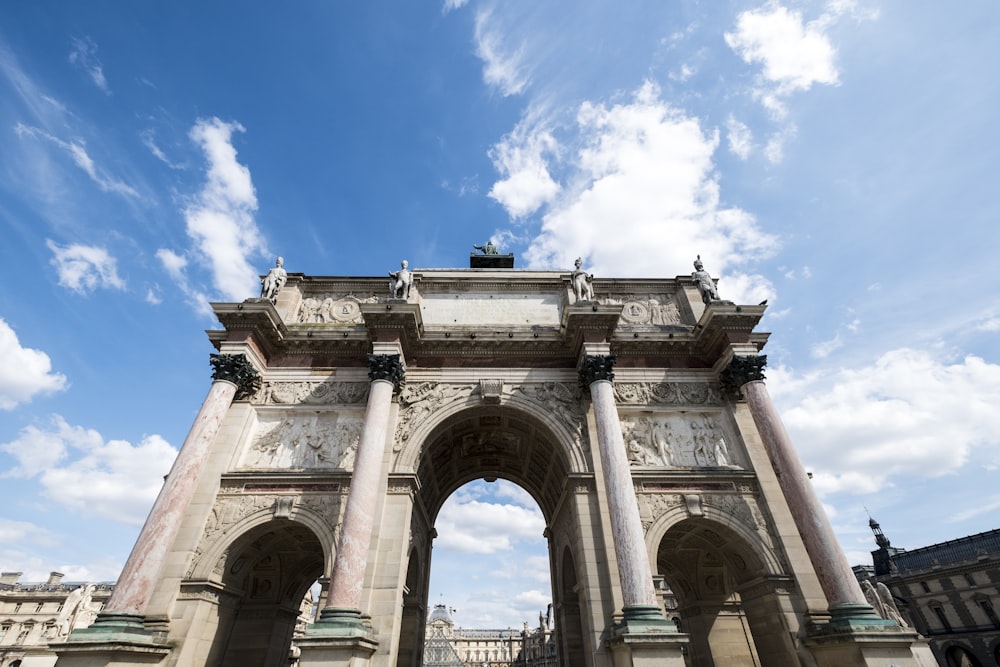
(343, 413)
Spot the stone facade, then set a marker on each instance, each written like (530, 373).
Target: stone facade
(448, 646)
(341, 417)
(33, 615)
(948, 592)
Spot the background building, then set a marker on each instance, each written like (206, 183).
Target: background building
(448, 646)
(949, 592)
(34, 614)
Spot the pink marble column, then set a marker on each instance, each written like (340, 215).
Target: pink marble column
(348, 574)
(232, 374)
(835, 576)
(638, 593)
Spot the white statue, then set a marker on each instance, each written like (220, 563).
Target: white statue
(582, 283)
(272, 283)
(721, 453)
(891, 611)
(705, 283)
(400, 281)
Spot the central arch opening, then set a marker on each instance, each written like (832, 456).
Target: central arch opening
(491, 479)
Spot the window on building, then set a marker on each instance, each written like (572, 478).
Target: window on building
(17, 608)
(987, 606)
(927, 589)
(942, 619)
(969, 579)
(4, 629)
(23, 634)
(39, 606)
(59, 608)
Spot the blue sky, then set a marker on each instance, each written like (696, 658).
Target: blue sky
(837, 158)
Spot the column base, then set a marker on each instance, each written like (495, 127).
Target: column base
(338, 637)
(644, 619)
(337, 622)
(113, 639)
(856, 636)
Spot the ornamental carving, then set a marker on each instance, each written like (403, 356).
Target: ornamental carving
(386, 367)
(740, 371)
(646, 309)
(597, 367)
(562, 401)
(684, 440)
(237, 369)
(304, 441)
(229, 511)
(333, 309)
(311, 393)
(667, 393)
(418, 401)
(733, 506)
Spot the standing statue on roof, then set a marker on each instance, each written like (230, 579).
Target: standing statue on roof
(582, 283)
(706, 285)
(488, 249)
(400, 281)
(272, 283)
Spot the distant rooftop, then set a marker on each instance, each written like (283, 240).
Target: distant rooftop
(952, 552)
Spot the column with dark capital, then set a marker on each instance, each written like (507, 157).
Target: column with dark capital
(744, 376)
(342, 613)
(234, 378)
(641, 608)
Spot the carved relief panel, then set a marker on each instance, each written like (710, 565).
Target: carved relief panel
(647, 309)
(678, 440)
(333, 309)
(304, 440)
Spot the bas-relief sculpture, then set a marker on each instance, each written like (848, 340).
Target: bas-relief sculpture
(684, 440)
(667, 393)
(295, 441)
(419, 400)
(400, 282)
(333, 309)
(275, 279)
(582, 281)
(652, 309)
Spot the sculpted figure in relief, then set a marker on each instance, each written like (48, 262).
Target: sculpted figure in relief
(272, 283)
(582, 283)
(401, 281)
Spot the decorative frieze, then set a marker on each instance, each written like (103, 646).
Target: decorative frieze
(667, 393)
(311, 393)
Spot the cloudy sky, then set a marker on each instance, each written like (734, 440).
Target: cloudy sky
(838, 158)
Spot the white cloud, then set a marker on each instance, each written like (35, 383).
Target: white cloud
(502, 67)
(644, 199)
(992, 325)
(450, 5)
(25, 372)
(520, 157)
(909, 413)
(149, 141)
(20, 532)
(485, 528)
(795, 55)
(825, 348)
(84, 268)
(84, 55)
(175, 266)
(79, 469)
(77, 151)
(740, 138)
(220, 220)
(682, 74)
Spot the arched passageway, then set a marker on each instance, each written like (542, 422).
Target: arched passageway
(730, 602)
(494, 442)
(267, 572)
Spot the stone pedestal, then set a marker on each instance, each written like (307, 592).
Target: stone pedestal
(893, 648)
(323, 651)
(664, 649)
